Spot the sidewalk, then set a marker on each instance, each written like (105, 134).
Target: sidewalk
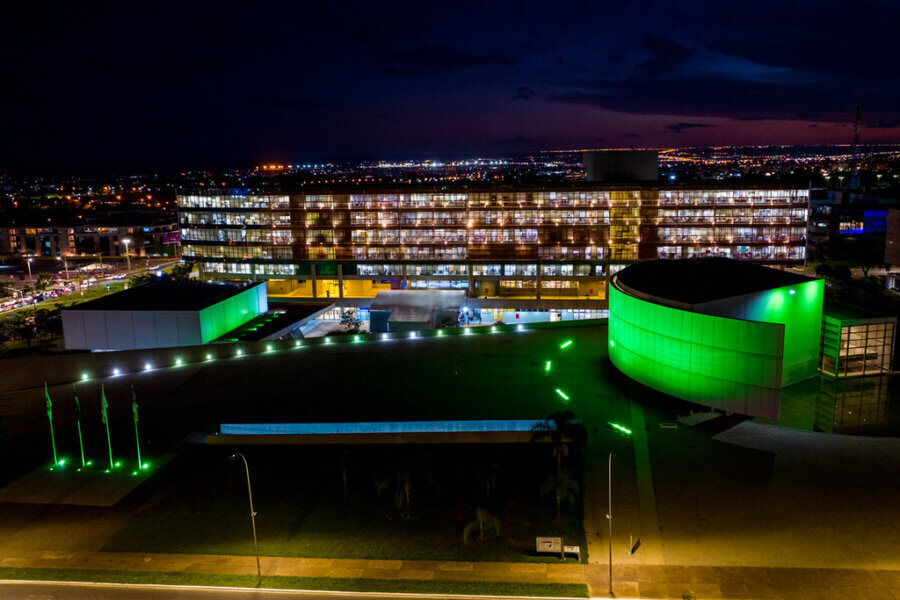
(639, 581)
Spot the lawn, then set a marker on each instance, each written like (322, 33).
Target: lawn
(76, 297)
(202, 507)
(475, 588)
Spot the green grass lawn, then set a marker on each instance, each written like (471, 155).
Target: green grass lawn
(76, 297)
(203, 508)
(493, 588)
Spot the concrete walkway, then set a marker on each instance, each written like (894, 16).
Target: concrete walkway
(639, 581)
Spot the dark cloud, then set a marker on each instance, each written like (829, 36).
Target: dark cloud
(288, 104)
(439, 58)
(882, 124)
(525, 93)
(667, 56)
(682, 126)
(519, 141)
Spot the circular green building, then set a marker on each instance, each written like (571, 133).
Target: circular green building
(719, 332)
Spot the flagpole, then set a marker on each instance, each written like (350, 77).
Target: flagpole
(50, 418)
(103, 406)
(78, 424)
(137, 440)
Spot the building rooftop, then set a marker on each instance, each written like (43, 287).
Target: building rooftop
(167, 294)
(697, 280)
(843, 311)
(288, 188)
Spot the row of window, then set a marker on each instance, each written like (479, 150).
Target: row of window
(471, 199)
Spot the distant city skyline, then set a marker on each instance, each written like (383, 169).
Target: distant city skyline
(128, 86)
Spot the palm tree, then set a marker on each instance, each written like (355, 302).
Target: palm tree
(561, 429)
(400, 477)
(482, 523)
(562, 486)
(488, 476)
(344, 465)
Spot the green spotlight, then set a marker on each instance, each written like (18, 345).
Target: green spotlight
(145, 466)
(240, 352)
(548, 366)
(355, 338)
(118, 464)
(89, 463)
(440, 332)
(178, 362)
(621, 428)
(327, 340)
(209, 357)
(84, 376)
(565, 344)
(134, 472)
(297, 344)
(562, 394)
(268, 347)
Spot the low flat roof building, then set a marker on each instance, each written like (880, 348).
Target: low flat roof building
(716, 331)
(162, 313)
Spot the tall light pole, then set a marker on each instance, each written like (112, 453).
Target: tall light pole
(127, 241)
(28, 264)
(252, 517)
(609, 518)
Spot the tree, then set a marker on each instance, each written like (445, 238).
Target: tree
(181, 270)
(483, 522)
(43, 281)
(140, 279)
(488, 476)
(561, 429)
(47, 323)
(562, 487)
(23, 327)
(401, 477)
(344, 465)
(349, 322)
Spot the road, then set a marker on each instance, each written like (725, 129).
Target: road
(61, 590)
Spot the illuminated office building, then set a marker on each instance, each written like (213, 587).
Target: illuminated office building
(550, 242)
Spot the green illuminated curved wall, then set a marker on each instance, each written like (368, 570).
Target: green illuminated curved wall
(735, 353)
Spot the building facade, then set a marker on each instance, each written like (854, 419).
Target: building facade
(86, 240)
(547, 242)
(732, 344)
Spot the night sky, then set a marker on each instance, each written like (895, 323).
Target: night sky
(190, 84)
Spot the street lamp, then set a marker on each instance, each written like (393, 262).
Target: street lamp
(127, 241)
(609, 518)
(28, 264)
(252, 517)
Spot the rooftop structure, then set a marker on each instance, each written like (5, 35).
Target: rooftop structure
(621, 165)
(162, 313)
(733, 345)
